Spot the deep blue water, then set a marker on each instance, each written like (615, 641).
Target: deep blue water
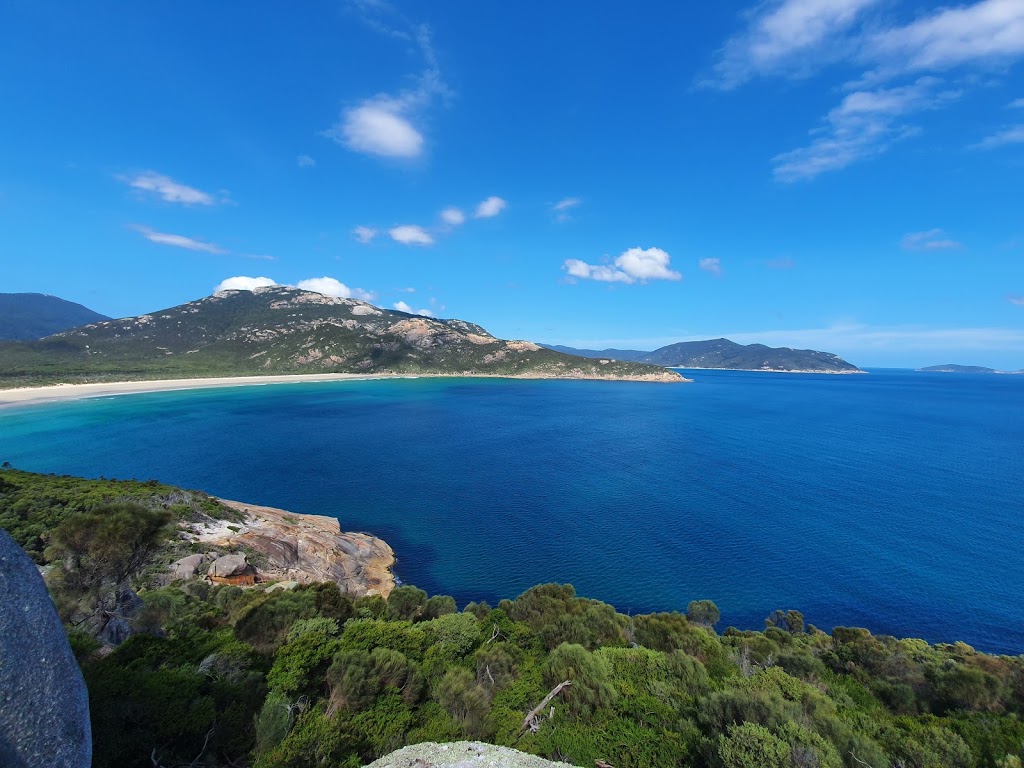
(891, 501)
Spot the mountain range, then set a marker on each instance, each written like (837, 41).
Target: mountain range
(279, 329)
(723, 353)
(35, 315)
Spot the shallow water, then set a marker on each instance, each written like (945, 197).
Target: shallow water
(890, 501)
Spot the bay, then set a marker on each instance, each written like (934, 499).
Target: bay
(890, 501)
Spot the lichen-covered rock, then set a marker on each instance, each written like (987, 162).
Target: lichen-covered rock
(187, 567)
(462, 754)
(44, 706)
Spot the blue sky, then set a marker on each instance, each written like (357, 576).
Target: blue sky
(846, 175)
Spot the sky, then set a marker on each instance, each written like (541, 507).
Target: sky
(844, 175)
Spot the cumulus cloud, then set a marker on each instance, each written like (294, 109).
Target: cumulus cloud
(631, 266)
(178, 241)
(929, 240)
(305, 161)
(364, 234)
(167, 189)
(329, 286)
(453, 217)
(243, 283)
(712, 265)
(401, 306)
(1011, 135)
(411, 234)
(865, 124)
(490, 208)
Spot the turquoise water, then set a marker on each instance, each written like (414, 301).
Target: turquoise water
(891, 501)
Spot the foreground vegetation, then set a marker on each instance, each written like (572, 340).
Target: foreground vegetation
(224, 676)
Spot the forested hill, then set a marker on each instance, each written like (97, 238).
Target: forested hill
(723, 353)
(286, 330)
(35, 315)
(288, 676)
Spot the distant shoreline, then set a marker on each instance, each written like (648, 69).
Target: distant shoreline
(763, 370)
(52, 393)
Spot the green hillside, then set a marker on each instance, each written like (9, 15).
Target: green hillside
(26, 316)
(281, 330)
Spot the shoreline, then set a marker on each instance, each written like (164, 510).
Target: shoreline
(768, 370)
(52, 393)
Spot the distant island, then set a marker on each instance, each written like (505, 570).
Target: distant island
(27, 316)
(954, 368)
(283, 330)
(723, 353)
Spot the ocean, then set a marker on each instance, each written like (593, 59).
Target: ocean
(891, 501)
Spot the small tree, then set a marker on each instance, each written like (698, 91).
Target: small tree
(703, 612)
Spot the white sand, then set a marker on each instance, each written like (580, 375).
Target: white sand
(33, 395)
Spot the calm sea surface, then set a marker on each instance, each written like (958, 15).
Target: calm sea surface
(893, 501)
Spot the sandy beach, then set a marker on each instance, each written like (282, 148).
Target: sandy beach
(49, 394)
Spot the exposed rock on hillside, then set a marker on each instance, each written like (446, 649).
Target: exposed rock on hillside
(301, 548)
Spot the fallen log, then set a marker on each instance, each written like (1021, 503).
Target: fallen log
(530, 721)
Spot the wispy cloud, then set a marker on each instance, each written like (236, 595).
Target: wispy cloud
(490, 208)
(781, 263)
(388, 125)
(1016, 104)
(364, 234)
(167, 189)
(929, 240)
(330, 286)
(712, 265)
(1018, 300)
(631, 266)
(305, 161)
(257, 256)
(411, 234)
(562, 208)
(1011, 135)
(244, 283)
(401, 306)
(865, 124)
(786, 37)
(178, 241)
(797, 38)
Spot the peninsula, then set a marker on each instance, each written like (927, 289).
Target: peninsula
(280, 330)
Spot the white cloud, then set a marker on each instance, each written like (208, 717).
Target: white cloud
(566, 203)
(712, 265)
(364, 234)
(401, 306)
(1012, 135)
(243, 283)
(379, 126)
(631, 266)
(1018, 300)
(929, 240)
(784, 37)
(781, 263)
(987, 32)
(258, 256)
(168, 189)
(1016, 104)
(453, 217)
(329, 286)
(490, 208)
(411, 234)
(178, 241)
(305, 161)
(385, 125)
(865, 124)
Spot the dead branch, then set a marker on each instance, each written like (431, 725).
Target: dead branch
(530, 721)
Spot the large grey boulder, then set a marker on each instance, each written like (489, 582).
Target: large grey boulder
(462, 754)
(229, 565)
(187, 567)
(44, 706)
